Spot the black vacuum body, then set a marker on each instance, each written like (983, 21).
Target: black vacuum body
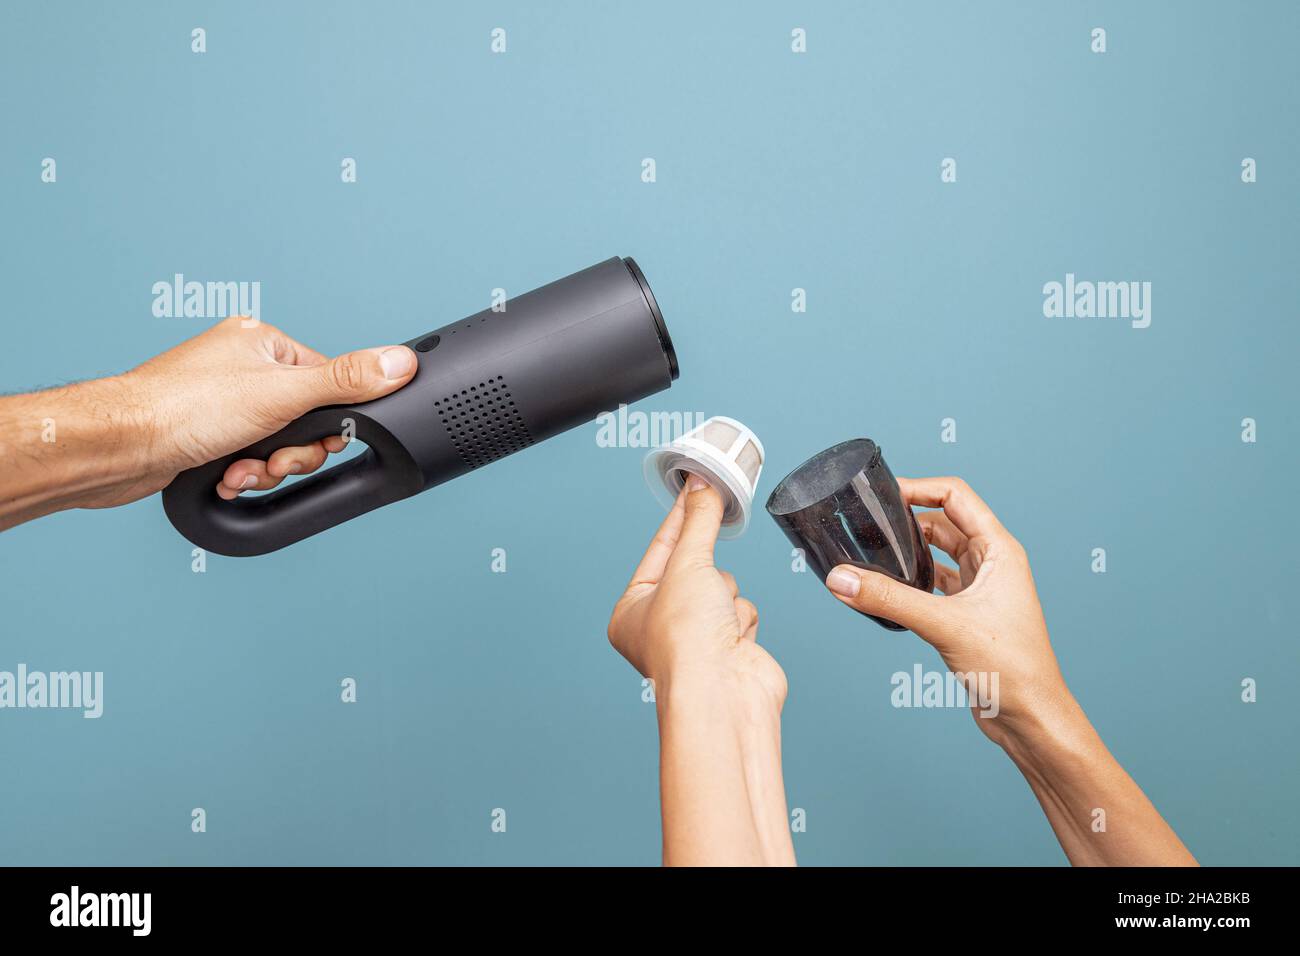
(488, 385)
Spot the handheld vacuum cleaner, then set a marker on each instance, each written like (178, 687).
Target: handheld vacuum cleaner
(487, 386)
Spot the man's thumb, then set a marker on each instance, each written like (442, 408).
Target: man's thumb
(882, 596)
(360, 376)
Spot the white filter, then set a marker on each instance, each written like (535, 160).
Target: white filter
(724, 453)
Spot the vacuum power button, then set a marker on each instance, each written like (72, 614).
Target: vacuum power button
(427, 345)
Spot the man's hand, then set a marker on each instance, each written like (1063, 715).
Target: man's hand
(111, 441)
(230, 386)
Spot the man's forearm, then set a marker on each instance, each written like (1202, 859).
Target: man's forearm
(721, 787)
(1100, 815)
(69, 447)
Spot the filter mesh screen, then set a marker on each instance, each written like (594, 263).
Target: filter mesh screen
(750, 461)
(720, 435)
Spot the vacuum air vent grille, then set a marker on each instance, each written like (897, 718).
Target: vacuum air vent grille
(483, 422)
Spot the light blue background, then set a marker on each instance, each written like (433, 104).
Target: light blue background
(775, 170)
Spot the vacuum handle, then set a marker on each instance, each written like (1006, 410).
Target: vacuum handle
(258, 524)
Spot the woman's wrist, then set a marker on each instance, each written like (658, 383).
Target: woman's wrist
(1072, 774)
(720, 734)
(1099, 814)
(743, 693)
(1055, 731)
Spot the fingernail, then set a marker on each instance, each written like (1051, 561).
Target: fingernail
(843, 583)
(396, 363)
(696, 483)
(248, 482)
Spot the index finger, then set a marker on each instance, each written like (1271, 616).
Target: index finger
(289, 351)
(959, 502)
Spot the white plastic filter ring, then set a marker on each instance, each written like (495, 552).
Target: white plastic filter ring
(722, 451)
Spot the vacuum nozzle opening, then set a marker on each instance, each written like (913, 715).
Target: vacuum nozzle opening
(665, 340)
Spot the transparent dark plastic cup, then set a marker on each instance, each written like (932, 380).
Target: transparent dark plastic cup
(843, 506)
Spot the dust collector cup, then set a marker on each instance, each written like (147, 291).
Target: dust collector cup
(723, 452)
(843, 506)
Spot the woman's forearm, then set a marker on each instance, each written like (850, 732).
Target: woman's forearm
(1100, 815)
(721, 787)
